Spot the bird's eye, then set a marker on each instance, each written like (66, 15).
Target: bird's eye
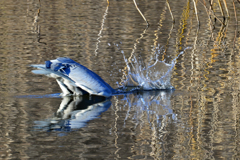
(66, 65)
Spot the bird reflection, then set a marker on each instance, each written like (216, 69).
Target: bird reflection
(74, 113)
(157, 105)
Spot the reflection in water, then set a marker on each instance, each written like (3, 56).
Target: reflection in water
(100, 32)
(153, 103)
(143, 119)
(205, 120)
(74, 113)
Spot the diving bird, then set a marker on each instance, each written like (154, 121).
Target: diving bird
(74, 78)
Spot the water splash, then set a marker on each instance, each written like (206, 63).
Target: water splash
(155, 74)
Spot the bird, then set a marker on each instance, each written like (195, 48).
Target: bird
(74, 78)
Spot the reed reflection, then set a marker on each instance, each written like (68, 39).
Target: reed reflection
(150, 118)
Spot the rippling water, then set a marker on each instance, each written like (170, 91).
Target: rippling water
(199, 120)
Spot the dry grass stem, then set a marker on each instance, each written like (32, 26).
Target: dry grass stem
(216, 17)
(141, 13)
(210, 20)
(225, 4)
(170, 11)
(195, 8)
(221, 9)
(235, 13)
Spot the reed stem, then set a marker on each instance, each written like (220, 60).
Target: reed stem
(141, 13)
(170, 11)
(195, 8)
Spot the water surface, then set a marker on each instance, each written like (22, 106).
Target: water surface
(199, 120)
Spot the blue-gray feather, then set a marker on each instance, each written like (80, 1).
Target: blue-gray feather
(81, 76)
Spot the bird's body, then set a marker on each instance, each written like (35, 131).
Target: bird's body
(74, 78)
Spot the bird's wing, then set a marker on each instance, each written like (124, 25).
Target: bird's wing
(85, 78)
(77, 73)
(46, 71)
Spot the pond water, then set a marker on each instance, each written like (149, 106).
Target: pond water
(197, 120)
